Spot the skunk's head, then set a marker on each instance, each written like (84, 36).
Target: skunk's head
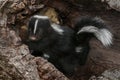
(38, 27)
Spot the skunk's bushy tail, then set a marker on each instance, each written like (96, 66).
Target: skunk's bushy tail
(94, 26)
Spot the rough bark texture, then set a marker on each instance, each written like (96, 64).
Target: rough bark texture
(112, 74)
(15, 57)
(115, 4)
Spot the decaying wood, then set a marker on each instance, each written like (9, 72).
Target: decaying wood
(8, 71)
(111, 74)
(114, 4)
(15, 15)
(48, 71)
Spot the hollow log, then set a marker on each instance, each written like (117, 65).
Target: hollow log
(16, 62)
(15, 13)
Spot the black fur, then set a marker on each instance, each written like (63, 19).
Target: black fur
(61, 48)
(89, 21)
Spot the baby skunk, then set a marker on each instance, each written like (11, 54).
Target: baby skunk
(66, 48)
(55, 42)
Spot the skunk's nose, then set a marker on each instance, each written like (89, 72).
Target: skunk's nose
(33, 38)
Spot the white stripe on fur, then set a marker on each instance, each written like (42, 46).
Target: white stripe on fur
(91, 29)
(57, 28)
(46, 56)
(40, 17)
(35, 26)
(78, 49)
(104, 35)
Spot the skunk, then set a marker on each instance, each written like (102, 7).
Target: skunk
(66, 48)
(55, 43)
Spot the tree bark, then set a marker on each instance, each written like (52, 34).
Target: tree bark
(14, 15)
